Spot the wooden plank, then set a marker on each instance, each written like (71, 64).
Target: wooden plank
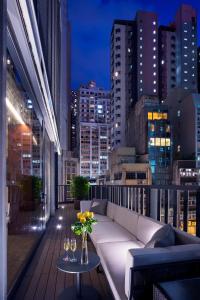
(42, 279)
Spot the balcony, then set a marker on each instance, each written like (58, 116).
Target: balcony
(178, 205)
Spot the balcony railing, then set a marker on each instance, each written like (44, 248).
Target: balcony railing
(178, 205)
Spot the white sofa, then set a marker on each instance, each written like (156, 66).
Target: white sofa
(120, 238)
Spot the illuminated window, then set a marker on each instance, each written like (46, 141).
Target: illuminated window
(168, 142)
(159, 116)
(164, 116)
(149, 115)
(151, 141)
(157, 141)
(162, 142)
(152, 127)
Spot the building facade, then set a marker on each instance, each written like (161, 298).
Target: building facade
(122, 78)
(125, 170)
(74, 121)
(94, 130)
(134, 68)
(186, 48)
(30, 132)
(167, 60)
(184, 109)
(151, 131)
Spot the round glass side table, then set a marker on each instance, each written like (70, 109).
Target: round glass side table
(79, 291)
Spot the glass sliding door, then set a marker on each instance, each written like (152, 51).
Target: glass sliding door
(26, 141)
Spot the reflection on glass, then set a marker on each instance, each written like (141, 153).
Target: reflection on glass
(27, 214)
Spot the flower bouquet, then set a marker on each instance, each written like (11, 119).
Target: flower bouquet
(82, 227)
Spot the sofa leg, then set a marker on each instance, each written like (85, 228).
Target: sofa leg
(99, 269)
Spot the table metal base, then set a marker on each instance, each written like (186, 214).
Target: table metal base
(87, 293)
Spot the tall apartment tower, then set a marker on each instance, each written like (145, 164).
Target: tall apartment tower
(94, 130)
(186, 50)
(198, 66)
(122, 37)
(134, 68)
(167, 60)
(74, 114)
(147, 54)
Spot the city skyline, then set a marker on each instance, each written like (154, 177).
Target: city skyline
(91, 33)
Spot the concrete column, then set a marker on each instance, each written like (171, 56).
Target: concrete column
(3, 208)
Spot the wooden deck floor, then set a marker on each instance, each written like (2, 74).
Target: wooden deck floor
(42, 279)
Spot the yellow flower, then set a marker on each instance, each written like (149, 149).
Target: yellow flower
(91, 215)
(82, 220)
(79, 215)
(87, 214)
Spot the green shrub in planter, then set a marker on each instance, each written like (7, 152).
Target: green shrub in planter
(79, 189)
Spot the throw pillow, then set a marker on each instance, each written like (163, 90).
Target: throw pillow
(164, 237)
(99, 206)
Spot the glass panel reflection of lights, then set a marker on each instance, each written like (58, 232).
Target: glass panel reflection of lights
(27, 214)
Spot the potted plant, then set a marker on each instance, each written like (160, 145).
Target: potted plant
(79, 189)
(82, 227)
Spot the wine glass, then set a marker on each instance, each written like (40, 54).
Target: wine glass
(66, 248)
(73, 249)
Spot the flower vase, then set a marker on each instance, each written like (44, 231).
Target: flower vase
(84, 250)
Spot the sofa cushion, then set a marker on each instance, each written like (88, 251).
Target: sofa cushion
(101, 218)
(126, 218)
(85, 205)
(111, 208)
(163, 237)
(110, 232)
(146, 228)
(99, 206)
(182, 238)
(113, 259)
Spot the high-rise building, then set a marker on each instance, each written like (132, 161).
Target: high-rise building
(122, 77)
(74, 120)
(184, 110)
(186, 47)
(94, 130)
(147, 54)
(134, 68)
(150, 127)
(198, 68)
(55, 42)
(167, 60)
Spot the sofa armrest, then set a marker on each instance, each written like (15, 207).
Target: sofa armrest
(85, 205)
(151, 264)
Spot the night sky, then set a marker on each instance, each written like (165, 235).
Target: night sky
(91, 24)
